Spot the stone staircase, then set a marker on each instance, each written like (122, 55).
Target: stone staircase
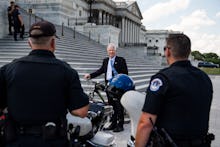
(86, 56)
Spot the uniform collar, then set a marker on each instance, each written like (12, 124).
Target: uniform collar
(42, 53)
(182, 63)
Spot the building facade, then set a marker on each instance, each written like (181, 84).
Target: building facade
(156, 40)
(117, 22)
(125, 16)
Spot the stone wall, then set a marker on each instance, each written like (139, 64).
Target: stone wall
(56, 11)
(103, 34)
(3, 18)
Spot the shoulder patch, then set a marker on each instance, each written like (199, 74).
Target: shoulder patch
(155, 84)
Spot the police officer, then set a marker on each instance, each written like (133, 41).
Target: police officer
(10, 18)
(178, 99)
(18, 23)
(38, 90)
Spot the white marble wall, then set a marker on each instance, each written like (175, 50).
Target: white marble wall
(158, 38)
(57, 11)
(103, 33)
(3, 18)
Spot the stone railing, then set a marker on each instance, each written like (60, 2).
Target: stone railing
(103, 34)
(109, 2)
(37, 1)
(74, 21)
(121, 4)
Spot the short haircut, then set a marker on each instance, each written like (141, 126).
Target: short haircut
(111, 45)
(44, 40)
(179, 44)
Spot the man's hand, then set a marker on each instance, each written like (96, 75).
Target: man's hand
(87, 76)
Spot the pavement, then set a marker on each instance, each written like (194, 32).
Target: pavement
(214, 127)
(214, 122)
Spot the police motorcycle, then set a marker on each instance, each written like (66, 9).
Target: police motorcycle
(88, 131)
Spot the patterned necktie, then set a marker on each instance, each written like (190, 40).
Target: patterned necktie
(113, 68)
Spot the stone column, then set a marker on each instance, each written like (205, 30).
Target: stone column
(100, 17)
(107, 18)
(132, 32)
(139, 29)
(129, 31)
(120, 33)
(3, 18)
(123, 30)
(126, 30)
(135, 32)
(113, 20)
(110, 19)
(104, 17)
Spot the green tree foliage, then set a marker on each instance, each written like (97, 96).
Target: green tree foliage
(210, 57)
(197, 55)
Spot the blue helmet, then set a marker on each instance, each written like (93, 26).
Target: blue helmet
(119, 85)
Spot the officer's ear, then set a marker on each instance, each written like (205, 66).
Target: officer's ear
(30, 42)
(53, 44)
(168, 52)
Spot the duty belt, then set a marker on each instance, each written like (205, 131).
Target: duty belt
(30, 130)
(196, 142)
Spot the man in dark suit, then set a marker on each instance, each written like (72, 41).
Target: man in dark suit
(112, 66)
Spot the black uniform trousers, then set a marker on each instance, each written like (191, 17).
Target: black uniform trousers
(117, 118)
(10, 24)
(18, 29)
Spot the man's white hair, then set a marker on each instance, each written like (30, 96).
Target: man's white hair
(111, 45)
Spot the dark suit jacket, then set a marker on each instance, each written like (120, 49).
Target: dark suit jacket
(120, 66)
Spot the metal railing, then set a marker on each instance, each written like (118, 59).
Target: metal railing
(29, 18)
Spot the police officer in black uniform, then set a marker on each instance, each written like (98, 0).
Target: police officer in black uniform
(18, 23)
(38, 90)
(178, 99)
(10, 18)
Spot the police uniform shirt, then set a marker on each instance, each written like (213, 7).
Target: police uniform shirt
(15, 15)
(39, 88)
(180, 96)
(9, 9)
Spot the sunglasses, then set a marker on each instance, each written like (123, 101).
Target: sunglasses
(165, 47)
